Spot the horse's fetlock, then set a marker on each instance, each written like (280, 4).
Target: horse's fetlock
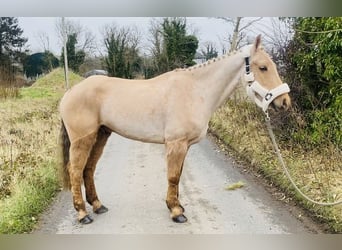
(90, 201)
(96, 204)
(173, 181)
(171, 203)
(79, 205)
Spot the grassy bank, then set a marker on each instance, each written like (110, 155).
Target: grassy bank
(29, 127)
(318, 172)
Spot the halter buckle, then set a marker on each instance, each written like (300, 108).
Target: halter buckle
(249, 78)
(268, 96)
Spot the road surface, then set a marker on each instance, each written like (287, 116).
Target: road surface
(131, 182)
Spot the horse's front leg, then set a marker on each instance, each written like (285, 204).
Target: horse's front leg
(175, 155)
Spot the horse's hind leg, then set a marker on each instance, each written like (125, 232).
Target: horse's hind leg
(79, 153)
(88, 174)
(175, 155)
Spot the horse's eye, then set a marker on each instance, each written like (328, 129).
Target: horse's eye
(263, 68)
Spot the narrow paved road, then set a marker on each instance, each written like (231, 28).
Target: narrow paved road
(131, 182)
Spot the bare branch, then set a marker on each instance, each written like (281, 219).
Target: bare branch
(43, 40)
(89, 42)
(250, 23)
(70, 27)
(226, 19)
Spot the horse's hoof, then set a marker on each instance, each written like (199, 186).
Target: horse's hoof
(101, 210)
(86, 220)
(180, 219)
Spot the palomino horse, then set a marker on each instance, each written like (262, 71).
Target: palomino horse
(172, 109)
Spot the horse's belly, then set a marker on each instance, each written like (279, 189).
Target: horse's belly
(138, 130)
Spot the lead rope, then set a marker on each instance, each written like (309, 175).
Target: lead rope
(282, 163)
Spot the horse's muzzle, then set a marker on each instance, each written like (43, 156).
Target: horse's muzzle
(282, 102)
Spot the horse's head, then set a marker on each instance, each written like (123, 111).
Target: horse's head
(264, 83)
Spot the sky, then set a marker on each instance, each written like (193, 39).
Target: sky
(206, 29)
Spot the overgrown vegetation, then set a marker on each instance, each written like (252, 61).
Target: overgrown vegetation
(9, 83)
(29, 128)
(8, 92)
(314, 69)
(310, 134)
(317, 171)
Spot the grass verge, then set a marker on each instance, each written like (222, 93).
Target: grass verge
(240, 126)
(29, 128)
(29, 198)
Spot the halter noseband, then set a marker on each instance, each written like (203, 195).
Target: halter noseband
(260, 95)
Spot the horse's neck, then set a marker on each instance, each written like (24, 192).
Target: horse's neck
(217, 79)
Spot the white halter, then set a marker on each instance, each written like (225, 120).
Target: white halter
(260, 95)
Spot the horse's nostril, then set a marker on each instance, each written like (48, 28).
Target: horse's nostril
(285, 105)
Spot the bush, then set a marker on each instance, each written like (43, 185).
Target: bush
(314, 66)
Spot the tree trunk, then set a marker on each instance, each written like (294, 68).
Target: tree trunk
(233, 45)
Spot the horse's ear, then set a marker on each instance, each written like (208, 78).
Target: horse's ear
(257, 43)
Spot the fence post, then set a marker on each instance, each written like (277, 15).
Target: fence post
(65, 55)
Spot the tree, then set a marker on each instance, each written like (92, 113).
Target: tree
(39, 63)
(122, 59)
(239, 24)
(180, 48)
(85, 39)
(172, 47)
(158, 62)
(44, 40)
(11, 40)
(11, 45)
(209, 51)
(75, 57)
(85, 44)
